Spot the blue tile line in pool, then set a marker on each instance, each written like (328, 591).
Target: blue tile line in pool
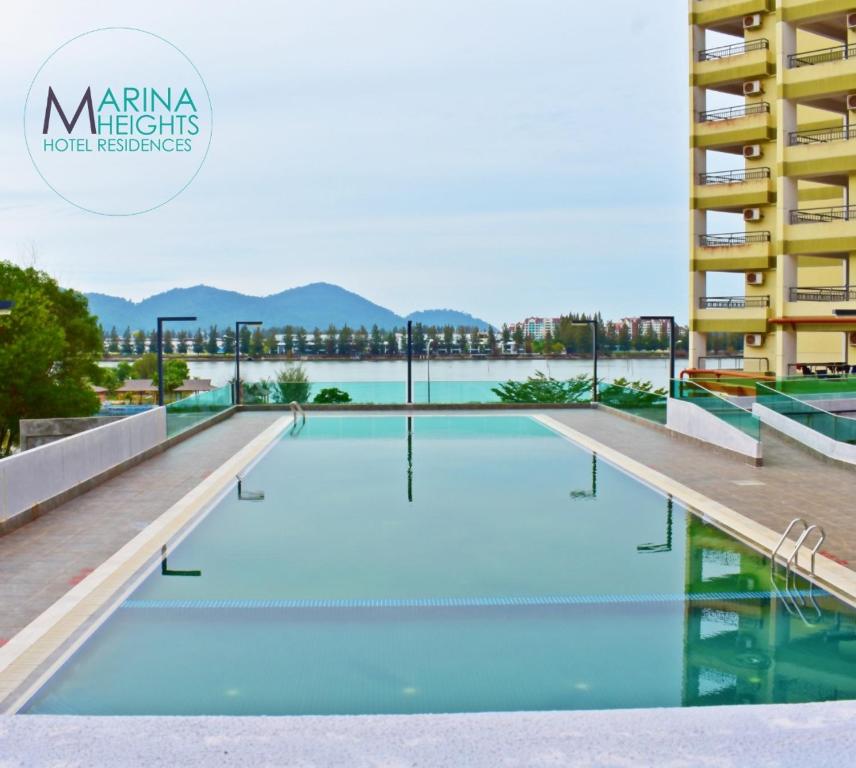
(473, 602)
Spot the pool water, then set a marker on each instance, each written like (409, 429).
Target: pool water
(452, 564)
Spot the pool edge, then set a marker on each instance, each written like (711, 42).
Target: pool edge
(36, 644)
(835, 578)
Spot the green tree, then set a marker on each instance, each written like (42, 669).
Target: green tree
(391, 344)
(330, 341)
(228, 342)
(519, 340)
(113, 347)
(175, 373)
(139, 343)
(346, 341)
(448, 338)
(543, 389)
(244, 340)
(211, 343)
(361, 341)
(317, 341)
(301, 341)
(288, 334)
(257, 342)
(126, 348)
(153, 341)
(168, 346)
(124, 371)
(49, 348)
(198, 342)
(271, 343)
(491, 340)
(181, 347)
(375, 341)
(146, 367)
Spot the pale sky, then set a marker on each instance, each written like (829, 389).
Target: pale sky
(501, 158)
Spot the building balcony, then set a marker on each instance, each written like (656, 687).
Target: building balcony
(821, 230)
(822, 78)
(824, 153)
(822, 293)
(727, 67)
(732, 314)
(734, 190)
(732, 128)
(733, 252)
(726, 15)
(818, 16)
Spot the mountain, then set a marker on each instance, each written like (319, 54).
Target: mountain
(313, 305)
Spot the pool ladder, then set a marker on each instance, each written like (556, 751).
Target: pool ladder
(296, 409)
(793, 600)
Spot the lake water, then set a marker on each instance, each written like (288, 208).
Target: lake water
(220, 372)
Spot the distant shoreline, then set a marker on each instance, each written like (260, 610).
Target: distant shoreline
(118, 358)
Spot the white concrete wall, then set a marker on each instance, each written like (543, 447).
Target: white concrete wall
(34, 476)
(806, 435)
(692, 420)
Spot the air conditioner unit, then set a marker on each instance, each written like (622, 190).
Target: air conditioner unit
(752, 88)
(851, 102)
(752, 151)
(751, 214)
(752, 21)
(755, 278)
(754, 339)
(851, 21)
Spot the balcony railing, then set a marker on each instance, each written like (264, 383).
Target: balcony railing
(733, 302)
(736, 49)
(822, 215)
(732, 113)
(821, 56)
(823, 293)
(728, 239)
(732, 177)
(821, 136)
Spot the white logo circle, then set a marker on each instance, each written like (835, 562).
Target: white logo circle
(118, 121)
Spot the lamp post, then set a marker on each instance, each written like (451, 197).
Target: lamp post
(409, 362)
(593, 324)
(238, 325)
(671, 320)
(161, 321)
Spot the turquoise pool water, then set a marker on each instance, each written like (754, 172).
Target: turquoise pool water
(452, 564)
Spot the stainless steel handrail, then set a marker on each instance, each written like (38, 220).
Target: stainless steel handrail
(295, 409)
(794, 558)
(778, 546)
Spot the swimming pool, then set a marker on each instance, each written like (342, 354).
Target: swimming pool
(451, 564)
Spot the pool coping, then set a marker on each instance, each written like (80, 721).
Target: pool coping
(831, 576)
(35, 652)
(27, 653)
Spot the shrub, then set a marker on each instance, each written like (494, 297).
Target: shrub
(543, 389)
(332, 395)
(293, 384)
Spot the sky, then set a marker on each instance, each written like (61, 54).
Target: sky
(504, 158)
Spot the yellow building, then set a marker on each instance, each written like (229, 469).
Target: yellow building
(778, 162)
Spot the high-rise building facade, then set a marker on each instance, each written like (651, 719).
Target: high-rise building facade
(772, 95)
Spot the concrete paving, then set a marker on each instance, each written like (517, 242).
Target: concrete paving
(793, 482)
(40, 562)
(773, 736)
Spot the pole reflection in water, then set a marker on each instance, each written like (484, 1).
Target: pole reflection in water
(166, 571)
(667, 546)
(592, 494)
(410, 458)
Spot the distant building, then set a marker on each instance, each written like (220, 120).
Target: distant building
(536, 328)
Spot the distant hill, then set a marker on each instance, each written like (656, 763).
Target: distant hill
(313, 305)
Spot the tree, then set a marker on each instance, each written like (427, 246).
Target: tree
(491, 340)
(518, 339)
(346, 341)
(361, 340)
(271, 343)
(301, 341)
(126, 348)
(153, 341)
(288, 339)
(543, 389)
(113, 347)
(175, 373)
(139, 343)
(228, 342)
(391, 342)
(332, 395)
(448, 338)
(375, 341)
(146, 367)
(198, 342)
(124, 371)
(506, 337)
(168, 346)
(49, 348)
(257, 343)
(211, 346)
(317, 341)
(244, 340)
(182, 343)
(330, 341)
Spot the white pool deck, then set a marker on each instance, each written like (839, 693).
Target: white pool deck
(806, 735)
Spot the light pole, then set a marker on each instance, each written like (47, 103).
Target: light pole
(428, 357)
(593, 324)
(161, 321)
(238, 325)
(409, 362)
(671, 320)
